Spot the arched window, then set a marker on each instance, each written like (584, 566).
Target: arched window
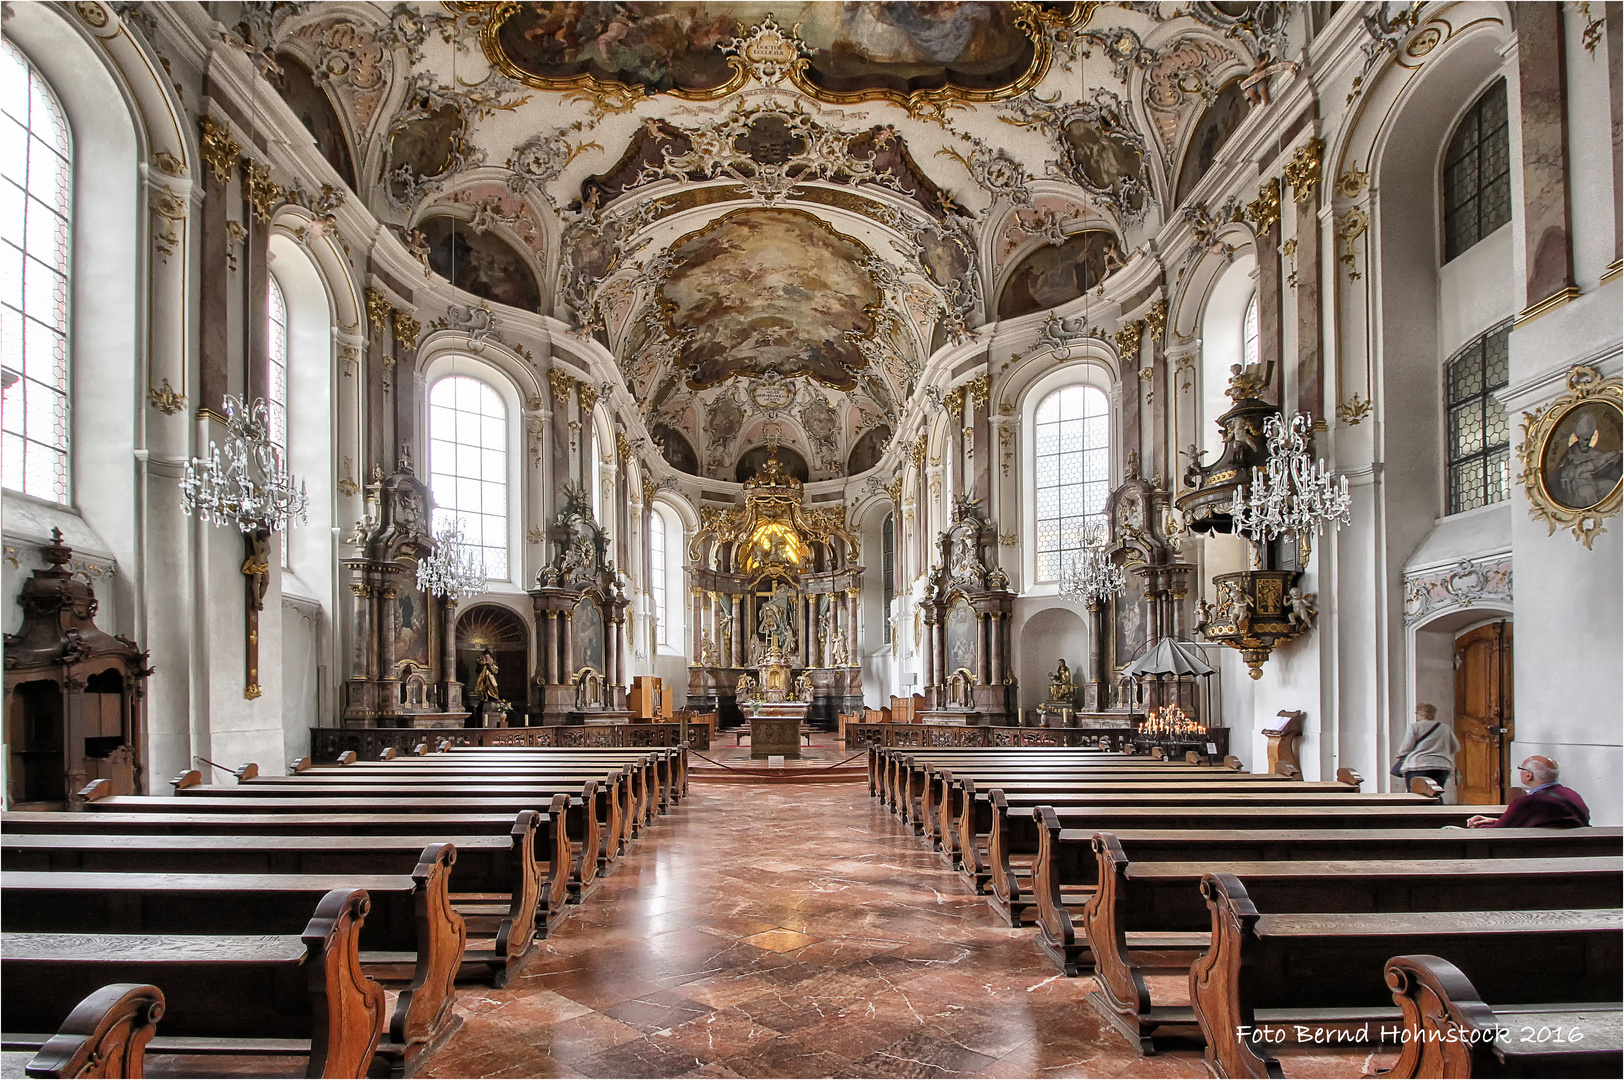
(276, 363)
(1072, 433)
(468, 472)
(656, 575)
(1477, 174)
(1479, 433)
(888, 567)
(1249, 333)
(37, 152)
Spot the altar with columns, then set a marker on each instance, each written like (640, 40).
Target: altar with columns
(774, 577)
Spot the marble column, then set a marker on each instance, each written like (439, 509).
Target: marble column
(1542, 90)
(364, 665)
(387, 632)
(408, 391)
(567, 643)
(256, 311)
(981, 647)
(1310, 366)
(1265, 214)
(222, 209)
(550, 649)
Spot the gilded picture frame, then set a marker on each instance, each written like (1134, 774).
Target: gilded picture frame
(1571, 454)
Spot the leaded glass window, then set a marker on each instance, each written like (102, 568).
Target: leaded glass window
(37, 190)
(1073, 460)
(1249, 333)
(1479, 432)
(276, 352)
(888, 567)
(656, 575)
(1477, 174)
(468, 465)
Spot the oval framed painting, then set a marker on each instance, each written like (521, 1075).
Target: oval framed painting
(1573, 455)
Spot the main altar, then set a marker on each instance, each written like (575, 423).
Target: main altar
(774, 586)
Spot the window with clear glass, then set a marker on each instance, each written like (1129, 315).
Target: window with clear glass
(1072, 432)
(1249, 333)
(37, 191)
(1479, 432)
(468, 465)
(276, 363)
(656, 575)
(888, 567)
(1477, 174)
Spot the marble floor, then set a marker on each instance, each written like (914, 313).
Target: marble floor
(792, 931)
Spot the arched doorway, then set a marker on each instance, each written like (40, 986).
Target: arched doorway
(491, 626)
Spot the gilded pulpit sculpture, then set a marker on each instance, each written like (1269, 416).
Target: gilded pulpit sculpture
(774, 579)
(580, 623)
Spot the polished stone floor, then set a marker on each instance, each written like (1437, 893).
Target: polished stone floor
(791, 930)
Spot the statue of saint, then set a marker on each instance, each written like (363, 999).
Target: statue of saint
(485, 682)
(775, 631)
(1060, 688)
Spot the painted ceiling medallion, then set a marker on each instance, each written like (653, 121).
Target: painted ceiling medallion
(922, 56)
(770, 290)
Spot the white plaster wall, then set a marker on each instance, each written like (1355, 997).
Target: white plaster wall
(1045, 630)
(303, 677)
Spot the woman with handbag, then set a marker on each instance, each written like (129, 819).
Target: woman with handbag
(1428, 750)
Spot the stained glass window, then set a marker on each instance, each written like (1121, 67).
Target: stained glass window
(1073, 461)
(1477, 174)
(888, 567)
(36, 189)
(1479, 432)
(468, 471)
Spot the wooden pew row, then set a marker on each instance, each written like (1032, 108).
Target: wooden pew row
(997, 835)
(1075, 869)
(1048, 758)
(583, 815)
(302, 994)
(893, 765)
(1450, 1031)
(410, 924)
(496, 884)
(619, 811)
(105, 1035)
(1326, 970)
(1149, 916)
(666, 766)
(677, 756)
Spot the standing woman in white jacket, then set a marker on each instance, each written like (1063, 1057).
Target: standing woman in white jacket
(1429, 749)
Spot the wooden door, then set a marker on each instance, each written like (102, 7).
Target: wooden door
(1483, 721)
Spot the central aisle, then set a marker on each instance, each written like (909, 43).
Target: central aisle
(788, 930)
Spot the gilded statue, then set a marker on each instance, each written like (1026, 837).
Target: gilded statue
(485, 682)
(1060, 687)
(257, 566)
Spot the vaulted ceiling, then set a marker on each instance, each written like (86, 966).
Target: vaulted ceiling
(770, 214)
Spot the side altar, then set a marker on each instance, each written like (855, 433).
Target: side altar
(774, 579)
(967, 608)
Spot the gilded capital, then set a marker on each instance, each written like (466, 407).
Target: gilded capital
(220, 150)
(1264, 211)
(406, 330)
(589, 395)
(1303, 170)
(562, 384)
(378, 308)
(1156, 321)
(1128, 339)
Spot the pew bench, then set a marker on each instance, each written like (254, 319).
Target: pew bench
(410, 935)
(1449, 1031)
(1326, 970)
(106, 1035)
(256, 995)
(495, 884)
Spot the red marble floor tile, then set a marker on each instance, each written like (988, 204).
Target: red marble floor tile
(718, 1036)
(919, 1055)
(658, 1011)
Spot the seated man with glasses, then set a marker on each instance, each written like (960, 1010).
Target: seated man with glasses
(1547, 804)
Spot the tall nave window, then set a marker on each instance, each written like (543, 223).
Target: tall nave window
(888, 567)
(1072, 434)
(656, 575)
(276, 377)
(1249, 334)
(37, 192)
(1477, 174)
(468, 472)
(1479, 433)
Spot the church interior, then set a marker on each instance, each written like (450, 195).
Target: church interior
(746, 539)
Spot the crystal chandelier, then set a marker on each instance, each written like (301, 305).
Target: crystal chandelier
(246, 482)
(1293, 493)
(1090, 576)
(453, 569)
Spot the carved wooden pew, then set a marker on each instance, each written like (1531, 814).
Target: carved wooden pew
(105, 1035)
(1450, 1031)
(1068, 865)
(1323, 969)
(620, 807)
(410, 924)
(496, 884)
(302, 994)
(582, 817)
(671, 761)
(1150, 915)
(1012, 832)
(893, 764)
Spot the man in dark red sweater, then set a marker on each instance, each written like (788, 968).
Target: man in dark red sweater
(1547, 804)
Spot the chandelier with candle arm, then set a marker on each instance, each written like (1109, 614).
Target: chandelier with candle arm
(453, 569)
(1090, 576)
(1293, 493)
(246, 482)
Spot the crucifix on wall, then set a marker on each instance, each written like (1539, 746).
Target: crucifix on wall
(256, 570)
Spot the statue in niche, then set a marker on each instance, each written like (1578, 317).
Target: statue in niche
(1060, 685)
(485, 682)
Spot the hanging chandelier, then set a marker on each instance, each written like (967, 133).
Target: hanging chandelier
(1090, 576)
(453, 569)
(1292, 493)
(246, 482)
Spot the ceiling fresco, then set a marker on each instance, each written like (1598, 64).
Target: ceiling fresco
(769, 221)
(853, 49)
